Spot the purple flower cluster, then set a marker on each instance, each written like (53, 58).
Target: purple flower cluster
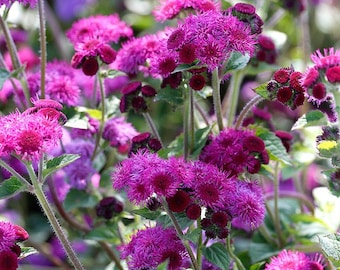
(152, 246)
(32, 133)
(31, 3)
(235, 152)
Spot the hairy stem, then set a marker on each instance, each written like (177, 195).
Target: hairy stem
(43, 51)
(152, 126)
(276, 220)
(186, 124)
(231, 253)
(53, 220)
(15, 173)
(217, 98)
(253, 102)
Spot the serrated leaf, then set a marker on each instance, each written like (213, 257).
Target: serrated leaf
(218, 255)
(274, 146)
(4, 75)
(237, 61)
(182, 219)
(10, 187)
(57, 163)
(185, 67)
(146, 213)
(310, 119)
(27, 251)
(171, 96)
(79, 198)
(330, 245)
(193, 236)
(262, 90)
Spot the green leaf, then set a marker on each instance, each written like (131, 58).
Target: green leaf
(27, 251)
(112, 73)
(262, 90)
(201, 136)
(257, 266)
(182, 219)
(237, 61)
(330, 245)
(274, 146)
(103, 233)
(146, 213)
(4, 75)
(11, 187)
(259, 250)
(310, 119)
(218, 255)
(79, 198)
(79, 120)
(193, 236)
(175, 148)
(185, 67)
(57, 163)
(171, 96)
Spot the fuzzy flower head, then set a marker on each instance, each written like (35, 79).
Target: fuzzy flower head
(10, 234)
(235, 151)
(169, 9)
(152, 246)
(29, 134)
(211, 37)
(294, 260)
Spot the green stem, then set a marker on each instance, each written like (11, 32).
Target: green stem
(253, 102)
(43, 51)
(52, 219)
(191, 120)
(180, 235)
(152, 126)
(231, 101)
(12, 50)
(199, 245)
(217, 98)
(102, 119)
(266, 235)
(15, 173)
(202, 113)
(276, 220)
(186, 124)
(231, 253)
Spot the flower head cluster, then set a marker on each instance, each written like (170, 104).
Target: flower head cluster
(119, 133)
(266, 51)
(33, 132)
(10, 234)
(295, 260)
(144, 141)
(152, 246)
(236, 151)
(169, 9)
(286, 88)
(210, 38)
(91, 38)
(324, 74)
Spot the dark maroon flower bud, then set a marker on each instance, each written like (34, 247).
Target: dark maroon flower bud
(179, 201)
(282, 75)
(118, 207)
(284, 94)
(153, 204)
(187, 54)
(254, 166)
(223, 233)
(272, 86)
(319, 91)
(176, 39)
(108, 206)
(166, 66)
(266, 43)
(254, 144)
(16, 249)
(123, 105)
(197, 82)
(285, 138)
(155, 144)
(77, 60)
(174, 80)
(132, 88)
(264, 157)
(210, 234)
(107, 54)
(148, 91)
(294, 81)
(141, 138)
(220, 219)
(193, 211)
(244, 8)
(138, 104)
(8, 260)
(90, 66)
(299, 99)
(295, 6)
(206, 223)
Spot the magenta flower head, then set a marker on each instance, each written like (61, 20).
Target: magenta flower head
(295, 260)
(169, 9)
(152, 246)
(235, 151)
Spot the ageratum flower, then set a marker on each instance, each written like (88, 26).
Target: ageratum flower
(31, 3)
(295, 260)
(152, 246)
(169, 9)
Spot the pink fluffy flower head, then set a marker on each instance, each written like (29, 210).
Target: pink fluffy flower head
(329, 58)
(152, 246)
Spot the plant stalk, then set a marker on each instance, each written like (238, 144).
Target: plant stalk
(15, 173)
(152, 126)
(231, 253)
(276, 205)
(217, 98)
(253, 102)
(43, 50)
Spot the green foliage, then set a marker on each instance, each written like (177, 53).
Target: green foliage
(218, 255)
(172, 96)
(262, 90)
(330, 245)
(146, 213)
(310, 119)
(183, 221)
(58, 163)
(236, 61)
(79, 199)
(27, 251)
(11, 187)
(4, 75)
